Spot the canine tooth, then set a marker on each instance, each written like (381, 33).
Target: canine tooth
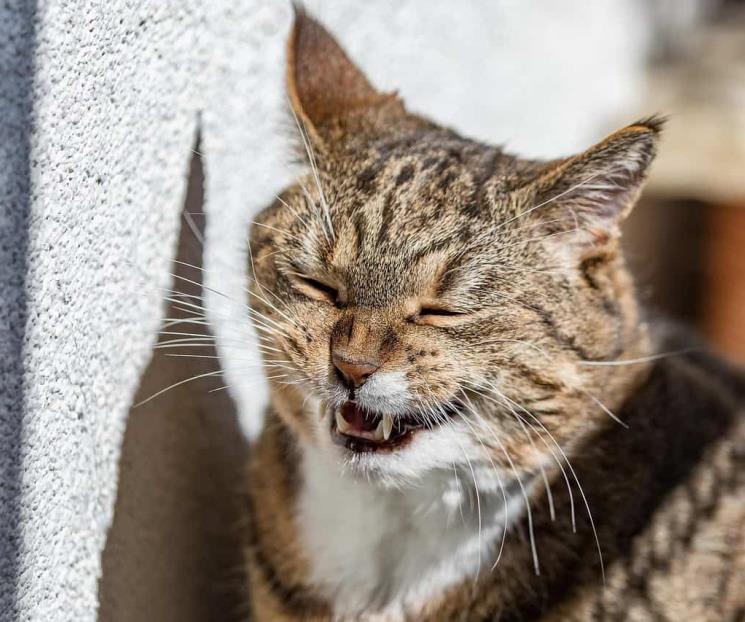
(378, 433)
(341, 423)
(387, 426)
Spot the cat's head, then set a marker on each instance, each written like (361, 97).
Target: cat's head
(425, 300)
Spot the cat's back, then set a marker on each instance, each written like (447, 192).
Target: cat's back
(679, 546)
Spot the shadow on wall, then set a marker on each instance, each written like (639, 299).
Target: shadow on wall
(174, 549)
(17, 46)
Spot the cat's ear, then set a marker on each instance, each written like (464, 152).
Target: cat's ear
(328, 93)
(587, 196)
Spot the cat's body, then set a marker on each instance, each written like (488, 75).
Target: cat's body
(454, 348)
(666, 496)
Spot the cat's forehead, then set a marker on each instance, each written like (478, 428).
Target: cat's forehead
(430, 166)
(415, 197)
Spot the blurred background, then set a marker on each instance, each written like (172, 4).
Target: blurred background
(686, 239)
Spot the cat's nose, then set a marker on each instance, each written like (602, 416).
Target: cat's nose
(354, 371)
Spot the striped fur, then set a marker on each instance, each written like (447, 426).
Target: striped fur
(607, 490)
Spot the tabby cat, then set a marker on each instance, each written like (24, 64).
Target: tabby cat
(471, 419)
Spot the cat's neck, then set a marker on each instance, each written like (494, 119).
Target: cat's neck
(375, 547)
(329, 542)
(369, 546)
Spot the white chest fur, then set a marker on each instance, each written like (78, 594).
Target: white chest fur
(387, 549)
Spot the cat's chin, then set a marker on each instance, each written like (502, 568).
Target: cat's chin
(360, 431)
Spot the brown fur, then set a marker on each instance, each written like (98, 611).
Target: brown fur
(524, 256)
(667, 500)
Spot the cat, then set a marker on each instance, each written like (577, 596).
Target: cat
(471, 417)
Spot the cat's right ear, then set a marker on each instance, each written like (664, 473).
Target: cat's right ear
(330, 96)
(587, 196)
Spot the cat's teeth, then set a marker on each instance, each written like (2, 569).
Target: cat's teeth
(379, 434)
(387, 426)
(341, 423)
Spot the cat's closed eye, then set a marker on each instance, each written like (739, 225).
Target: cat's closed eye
(316, 289)
(438, 316)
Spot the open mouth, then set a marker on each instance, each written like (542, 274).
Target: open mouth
(362, 431)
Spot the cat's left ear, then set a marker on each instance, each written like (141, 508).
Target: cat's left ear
(329, 94)
(587, 196)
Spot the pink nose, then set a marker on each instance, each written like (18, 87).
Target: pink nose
(354, 371)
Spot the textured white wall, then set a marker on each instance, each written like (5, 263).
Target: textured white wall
(102, 101)
(112, 116)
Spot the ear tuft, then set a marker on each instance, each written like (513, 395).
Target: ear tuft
(655, 123)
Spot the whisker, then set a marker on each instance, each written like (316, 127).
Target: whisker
(177, 384)
(579, 487)
(287, 233)
(642, 359)
(314, 169)
(258, 317)
(504, 400)
(529, 512)
(551, 200)
(475, 483)
(502, 489)
(605, 409)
